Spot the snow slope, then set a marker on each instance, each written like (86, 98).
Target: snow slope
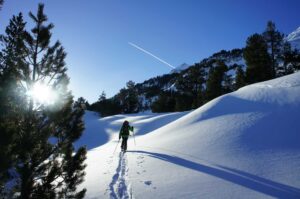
(180, 68)
(245, 144)
(294, 38)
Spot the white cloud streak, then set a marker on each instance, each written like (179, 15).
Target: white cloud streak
(152, 55)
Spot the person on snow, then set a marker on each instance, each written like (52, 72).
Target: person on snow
(124, 133)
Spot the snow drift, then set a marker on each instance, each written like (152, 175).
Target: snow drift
(245, 144)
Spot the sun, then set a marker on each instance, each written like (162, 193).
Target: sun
(42, 94)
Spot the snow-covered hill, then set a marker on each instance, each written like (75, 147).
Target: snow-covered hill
(245, 144)
(294, 38)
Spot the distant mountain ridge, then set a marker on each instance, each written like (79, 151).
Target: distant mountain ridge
(180, 68)
(294, 38)
(150, 89)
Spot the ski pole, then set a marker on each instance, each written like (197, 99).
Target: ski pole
(116, 147)
(133, 138)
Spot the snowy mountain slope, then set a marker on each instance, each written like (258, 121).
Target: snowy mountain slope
(241, 145)
(294, 38)
(180, 68)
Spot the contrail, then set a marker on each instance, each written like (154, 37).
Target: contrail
(147, 52)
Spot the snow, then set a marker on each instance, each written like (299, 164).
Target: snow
(180, 68)
(241, 145)
(295, 35)
(294, 38)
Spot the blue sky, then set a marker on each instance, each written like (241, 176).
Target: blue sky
(95, 34)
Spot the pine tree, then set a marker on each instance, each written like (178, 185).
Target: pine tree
(192, 85)
(164, 103)
(132, 101)
(128, 98)
(10, 109)
(11, 95)
(45, 164)
(257, 60)
(1, 3)
(83, 103)
(227, 83)
(274, 41)
(289, 59)
(183, 102)
(239, 78)
(296, 60)
(102, 97)
(214, 87)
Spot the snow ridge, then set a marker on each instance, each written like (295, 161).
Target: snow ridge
(295, 35)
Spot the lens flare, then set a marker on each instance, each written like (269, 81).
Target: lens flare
(42, 94)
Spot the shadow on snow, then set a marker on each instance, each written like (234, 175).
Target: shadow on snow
(235, 176)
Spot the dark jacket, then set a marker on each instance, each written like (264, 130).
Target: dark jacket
(124, 132)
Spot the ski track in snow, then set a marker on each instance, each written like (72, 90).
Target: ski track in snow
(119, 187)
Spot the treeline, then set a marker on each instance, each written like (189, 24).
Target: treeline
(265, 56)
(126, 101)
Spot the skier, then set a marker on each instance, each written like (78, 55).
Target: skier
(124, 133)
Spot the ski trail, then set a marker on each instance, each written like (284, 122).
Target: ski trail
(119, 188)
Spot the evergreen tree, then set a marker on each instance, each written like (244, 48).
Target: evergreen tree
(1, 4)
(239, 78)
(290, 60)
(227, 83)
(128, 98)
(191, 84)
(42, 167)
(257, 60)
(102, 97)
(274, 41)
(214, 87)
(10, 108)
(164, 103)
(98, 106)
(183, 102)
(296, 60)
(83, 103)
(132, 102)
(106, 106)
(11, 95)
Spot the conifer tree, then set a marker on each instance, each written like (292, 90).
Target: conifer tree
(10, 114)
(1, 3)
(192, 85)
(239, 78)
(257, 59)
(214, 87)
(102, 97)
(45, 164)
(11, 95)
(132, 100)
(290, 60)
(183, 102)
(274, 41)
(128, 98)
(164, 103)
(83, 103)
